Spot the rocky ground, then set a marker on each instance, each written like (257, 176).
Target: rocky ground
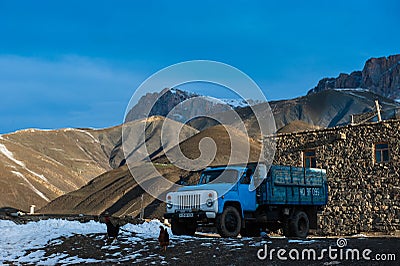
(211, 250)
(140, 247)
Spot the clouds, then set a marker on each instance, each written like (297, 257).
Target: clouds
(69, 91)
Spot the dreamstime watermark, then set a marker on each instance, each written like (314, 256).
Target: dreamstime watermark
(338, 252)
(137, 132)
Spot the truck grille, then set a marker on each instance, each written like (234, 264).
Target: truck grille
(190, 201)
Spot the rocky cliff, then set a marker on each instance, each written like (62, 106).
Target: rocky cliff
(379, 75)
(176, 104)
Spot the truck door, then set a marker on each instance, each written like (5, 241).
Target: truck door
(247, 197)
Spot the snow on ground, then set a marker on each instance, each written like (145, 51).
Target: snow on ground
(301, 242)
(57, 241)
(16, 239)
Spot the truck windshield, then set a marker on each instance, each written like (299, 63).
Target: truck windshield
(219, 176)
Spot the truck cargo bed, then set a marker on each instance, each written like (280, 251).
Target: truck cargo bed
(287, 185)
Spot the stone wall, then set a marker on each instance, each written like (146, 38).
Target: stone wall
(364, 196)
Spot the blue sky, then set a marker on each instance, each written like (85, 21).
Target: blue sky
(77, 63)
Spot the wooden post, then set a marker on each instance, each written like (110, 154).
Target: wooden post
(378, 110)
(141, 208)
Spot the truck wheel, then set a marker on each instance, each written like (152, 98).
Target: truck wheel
(251, 230)
(229, 222)
(286, 228)
(190, 228)
(177, 228)
(183, 228)
(299, 225)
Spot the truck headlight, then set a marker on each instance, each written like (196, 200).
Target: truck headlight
(209, 203)
(169, 205)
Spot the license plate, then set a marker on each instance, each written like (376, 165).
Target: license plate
(186, 215)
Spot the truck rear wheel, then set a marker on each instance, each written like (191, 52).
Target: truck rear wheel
(299, 225)
(229, 222)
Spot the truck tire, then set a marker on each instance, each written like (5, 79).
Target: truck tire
(176, 227)
(286, 228)
(183, 228)
(229, 222)
(190, 228)
(251, 230)
(299, 225)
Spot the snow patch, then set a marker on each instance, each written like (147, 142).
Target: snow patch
(147, 230)
(10, 156)
(235, 102)
(30, 185)
(88, 134)
(15, 239)
(352, 89)
(301, 242)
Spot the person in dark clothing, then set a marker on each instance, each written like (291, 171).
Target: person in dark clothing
(112, 229)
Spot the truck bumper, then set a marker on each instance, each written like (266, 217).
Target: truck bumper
(190, 215)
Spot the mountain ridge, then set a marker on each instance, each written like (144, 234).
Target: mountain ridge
(380, 75)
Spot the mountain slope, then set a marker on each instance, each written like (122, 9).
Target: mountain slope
(223, 141)
(327, 108)
(37, 166)
(117, 192)
(153, 128)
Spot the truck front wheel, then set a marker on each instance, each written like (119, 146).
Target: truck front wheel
(229, 222)
(176, 228)
(183, 228)
(251, 230)
(299, 225)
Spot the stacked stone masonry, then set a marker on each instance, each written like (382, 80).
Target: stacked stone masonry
(364, 195)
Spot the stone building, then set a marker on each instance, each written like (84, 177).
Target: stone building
(363, 171)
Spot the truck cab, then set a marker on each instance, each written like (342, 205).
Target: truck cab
(242, 199)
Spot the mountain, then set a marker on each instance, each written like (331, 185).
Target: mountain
(296, 126)
(379, 75)
(319, 108)
(223, 137)
(328, 108)
(117, 192)
(150, 130)
(163, 103)
(37, 166)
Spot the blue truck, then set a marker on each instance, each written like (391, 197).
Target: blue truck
(245, 199)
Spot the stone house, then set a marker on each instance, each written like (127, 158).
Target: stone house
(363, 171)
